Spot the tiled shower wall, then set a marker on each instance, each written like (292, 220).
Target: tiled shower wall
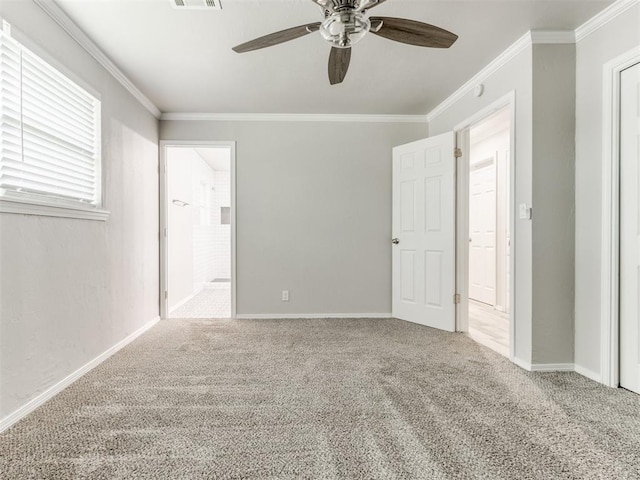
(221, 233)
(203, 223)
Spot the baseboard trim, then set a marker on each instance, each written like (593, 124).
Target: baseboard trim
(522, 363)
(293, 316)
(552, 367)
(51, 392)
(590, 374)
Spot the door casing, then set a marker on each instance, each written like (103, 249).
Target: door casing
(462, 216)
(610, 252)
(164, 217)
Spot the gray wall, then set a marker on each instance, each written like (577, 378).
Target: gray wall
(553, 200)
(615, 38)
(313, 212)
(543, 79)
(516, 76)
(70, 289)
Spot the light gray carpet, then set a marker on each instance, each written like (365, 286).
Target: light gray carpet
(361, 399)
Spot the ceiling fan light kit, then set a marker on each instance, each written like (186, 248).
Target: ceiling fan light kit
(346, 23)
(342, 30)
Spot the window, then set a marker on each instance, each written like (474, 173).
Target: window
(49, 136)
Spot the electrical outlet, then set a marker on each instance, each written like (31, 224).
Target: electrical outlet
(285, 295)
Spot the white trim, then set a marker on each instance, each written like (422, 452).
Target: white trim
(234, 224)
(588, 373)
(463, 142)
(69, 26)
(501, 60)
(553, 36)
(520, 45)
(462, 216)
(552, 367)
(529, 38)
(609, 304)
(301, 316)
(522, 363)
(504, 101)
(49, 393)
(293, 117)
(164, 218)
(604, 17)
(33, 207)
(544, 367)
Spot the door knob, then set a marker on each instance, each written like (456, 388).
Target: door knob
(395, 241)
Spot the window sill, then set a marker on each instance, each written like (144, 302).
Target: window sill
(31, 207)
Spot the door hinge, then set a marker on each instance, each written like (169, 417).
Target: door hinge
(166, 295)
(165, 232)
(456, 298)
(457, 152)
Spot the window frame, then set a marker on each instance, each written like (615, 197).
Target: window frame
(28, 203)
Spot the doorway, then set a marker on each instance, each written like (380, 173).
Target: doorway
(485, 271)
(198, 230)
(489, 236)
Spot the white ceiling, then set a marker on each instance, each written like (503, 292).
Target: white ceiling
(182, 59)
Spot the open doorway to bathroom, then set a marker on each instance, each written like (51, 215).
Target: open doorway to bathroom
(198, 231)
(489, 231)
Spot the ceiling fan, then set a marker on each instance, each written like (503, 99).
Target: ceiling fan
(345, 24)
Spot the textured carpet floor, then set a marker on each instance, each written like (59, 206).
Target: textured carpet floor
(286, 399)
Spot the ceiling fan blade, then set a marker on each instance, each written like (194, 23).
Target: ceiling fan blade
(277, 37)
(368, 4)
(413, 32)
(339, 60)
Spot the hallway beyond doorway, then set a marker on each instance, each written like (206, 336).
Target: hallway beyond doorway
(489, 327)
(213, 301)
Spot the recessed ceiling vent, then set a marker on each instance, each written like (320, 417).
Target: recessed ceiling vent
(196, 4)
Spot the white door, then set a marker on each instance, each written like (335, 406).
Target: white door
(423, 258)
(482, 231)
(630, 229)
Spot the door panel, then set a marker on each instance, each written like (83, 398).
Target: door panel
(424, 224)
(630, 229)
(482, 231)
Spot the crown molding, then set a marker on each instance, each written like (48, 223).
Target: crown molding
(292, 117)
(604, 17)
(553, 36)
(69, 26)
(496, 64)
(533, 37)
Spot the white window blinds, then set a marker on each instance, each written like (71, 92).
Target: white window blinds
(49, 130)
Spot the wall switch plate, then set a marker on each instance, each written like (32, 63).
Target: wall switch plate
(524, 212)
(285, 295)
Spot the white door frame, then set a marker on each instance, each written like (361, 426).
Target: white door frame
(610, 253)
(164, 217)
(462, 213)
